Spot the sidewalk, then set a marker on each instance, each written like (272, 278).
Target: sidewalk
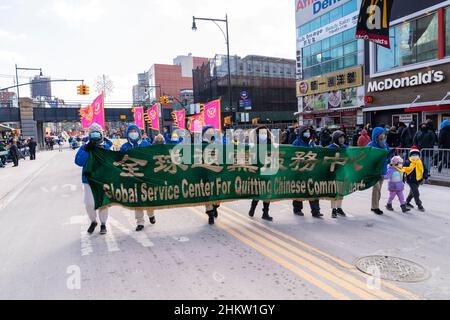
(12, 178)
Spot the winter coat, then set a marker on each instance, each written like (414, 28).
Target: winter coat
(300, 142)
(364, 140)
(14, 151)
(425, 139)
(374, 144)
(393, 139)
(395, 177)
(444, 135)
(140, 143)
(407, 137)
(82, 157)
(32, 145)
(325, 139)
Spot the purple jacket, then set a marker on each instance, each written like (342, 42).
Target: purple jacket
(395, 178)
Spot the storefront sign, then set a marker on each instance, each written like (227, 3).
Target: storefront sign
(344, 79)
(308, 10)
(406, 118)
(329, 30)
(421, 78)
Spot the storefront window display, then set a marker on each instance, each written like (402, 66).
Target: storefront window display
(411, 42)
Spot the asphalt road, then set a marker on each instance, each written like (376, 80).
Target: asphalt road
(45, 252)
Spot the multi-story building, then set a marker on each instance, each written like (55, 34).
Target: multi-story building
(140, 90)
(41, 87)
(330, 75)
(262, 87)
(8, 99)
(409, 82)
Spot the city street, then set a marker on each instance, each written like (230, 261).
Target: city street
(45, 246)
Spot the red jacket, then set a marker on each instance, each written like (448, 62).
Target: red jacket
(364, 140)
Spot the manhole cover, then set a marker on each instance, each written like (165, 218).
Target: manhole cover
(393, 269)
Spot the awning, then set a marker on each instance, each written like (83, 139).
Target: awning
(5, 127)
(428, 108)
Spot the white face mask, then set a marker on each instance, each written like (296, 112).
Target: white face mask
(134, 136)
(307, 135)
(415, 158)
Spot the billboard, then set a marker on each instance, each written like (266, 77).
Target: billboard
(308, 10)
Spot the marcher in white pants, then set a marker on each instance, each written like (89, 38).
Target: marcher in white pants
(139, 214)
(90, 207)
(135, 140)
(96, 140)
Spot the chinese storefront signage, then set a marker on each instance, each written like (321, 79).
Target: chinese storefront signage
(344, 79)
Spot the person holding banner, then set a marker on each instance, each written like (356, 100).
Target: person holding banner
(209, 137)
(95, 140)
(135, 140)
(263, 137)
(338, 139)
(305, 139)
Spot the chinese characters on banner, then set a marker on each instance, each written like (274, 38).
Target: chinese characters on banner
(196, 123)
(374, 20)
(213, 116)
(93, 113)
(179, 119)
(153, 117)
(139, 117)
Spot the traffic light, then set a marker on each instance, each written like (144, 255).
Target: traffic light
(83, 90)
(227, 121)
(164, 100)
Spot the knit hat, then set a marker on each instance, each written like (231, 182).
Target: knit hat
(414, 151)
(395, 161)
(95, 128)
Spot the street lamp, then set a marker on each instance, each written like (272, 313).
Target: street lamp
(227, 39)
(17, 77)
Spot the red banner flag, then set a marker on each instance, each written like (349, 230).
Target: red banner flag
(139, 117)
(153, 117)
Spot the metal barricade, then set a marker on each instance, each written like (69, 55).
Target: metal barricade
(436, 161)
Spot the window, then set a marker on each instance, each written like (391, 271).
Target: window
(325, 19)
(411, 42)
(350, 60)
(350, 48)
(349, 8)
(315, 24)
(336, 14)
(447, 31)
(349, 35)
(336, 40)
(316, 48)
(326, 44)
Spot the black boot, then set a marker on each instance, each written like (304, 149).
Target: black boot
(153, 220)
(409, 205)
(266, 212)
(253, 208)
(317, 215)
(92, 227)
(103, 230)
(298, 209)
(389, 207)
(421, 208)
(216, 212)
(405, 209)
(211, 217)
(334, 214)
(139, 228)
(341, 212)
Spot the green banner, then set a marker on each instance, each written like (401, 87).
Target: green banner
(172, 176)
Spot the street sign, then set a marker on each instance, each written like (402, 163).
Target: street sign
(245, 103)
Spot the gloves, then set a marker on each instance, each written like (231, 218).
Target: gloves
(90, 147)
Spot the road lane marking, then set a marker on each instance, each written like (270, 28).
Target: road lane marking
(283, 262)
(12, 195)
(319, 267)
(404, 293)
(139, 237)
(111, 242)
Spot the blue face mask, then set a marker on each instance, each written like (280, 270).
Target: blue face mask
(307, 135)
(96, 137)
(134, 136)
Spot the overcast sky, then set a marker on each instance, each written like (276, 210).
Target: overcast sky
(82, 39)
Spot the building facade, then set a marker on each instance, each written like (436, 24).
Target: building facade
(41, 87)
(262, 87)
(330, 64)
(410, 82)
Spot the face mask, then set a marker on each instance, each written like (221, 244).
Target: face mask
(415, 158)
(95, 137)
(134, 136)
(307, 135)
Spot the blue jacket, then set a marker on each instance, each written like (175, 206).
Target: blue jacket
(134, 144)
(335, 146)
(82, 157)
(445, 124)
(300, 143)
(374, 144)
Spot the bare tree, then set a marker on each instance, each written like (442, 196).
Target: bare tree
(104, 84)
